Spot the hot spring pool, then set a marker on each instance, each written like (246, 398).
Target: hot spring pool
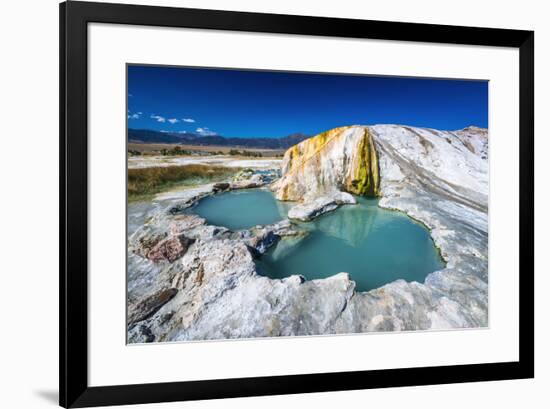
(241, 209)
(374, 245)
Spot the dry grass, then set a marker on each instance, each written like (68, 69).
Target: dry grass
(145, 182)
(152, 148)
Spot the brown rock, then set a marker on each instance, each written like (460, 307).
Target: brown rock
(150, 305)
(170, 249)
(143, 244)
(220, 186)
(183, 222)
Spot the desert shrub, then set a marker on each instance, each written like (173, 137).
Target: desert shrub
(245, 153)
(175, 151)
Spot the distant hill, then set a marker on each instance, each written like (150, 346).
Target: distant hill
(149, 136)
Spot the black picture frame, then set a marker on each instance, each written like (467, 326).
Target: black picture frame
(73, 257)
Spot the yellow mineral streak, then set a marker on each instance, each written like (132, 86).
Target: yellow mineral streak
(310, 149)
(362, 178)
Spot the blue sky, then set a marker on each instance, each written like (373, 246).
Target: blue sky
(239, 103)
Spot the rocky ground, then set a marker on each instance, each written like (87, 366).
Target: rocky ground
(189, 281)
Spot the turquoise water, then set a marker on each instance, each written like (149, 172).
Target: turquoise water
(374, 245)
(241, 209)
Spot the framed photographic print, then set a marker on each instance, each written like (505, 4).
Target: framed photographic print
(256, 204)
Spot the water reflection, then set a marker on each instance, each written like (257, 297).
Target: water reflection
(375, 245)
(354, 222)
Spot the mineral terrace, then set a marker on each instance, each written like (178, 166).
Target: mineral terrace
(189, 280)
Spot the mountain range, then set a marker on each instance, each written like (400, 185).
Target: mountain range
(188, 138)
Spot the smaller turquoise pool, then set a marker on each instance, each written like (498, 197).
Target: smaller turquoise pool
(241, 209)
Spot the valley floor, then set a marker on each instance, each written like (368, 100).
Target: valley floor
(146, 161)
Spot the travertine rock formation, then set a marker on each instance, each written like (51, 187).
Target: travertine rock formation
(214, 291)
(342, 159)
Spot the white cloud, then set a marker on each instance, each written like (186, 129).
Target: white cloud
(205, 132)
(135, 115)
(173, 120)
(190, 120)
(158, 118)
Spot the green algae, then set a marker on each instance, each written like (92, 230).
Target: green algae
(366, 178)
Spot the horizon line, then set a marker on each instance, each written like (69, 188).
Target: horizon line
(298, 133)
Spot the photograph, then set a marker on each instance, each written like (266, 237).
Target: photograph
(278, 203)
(275, 204)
